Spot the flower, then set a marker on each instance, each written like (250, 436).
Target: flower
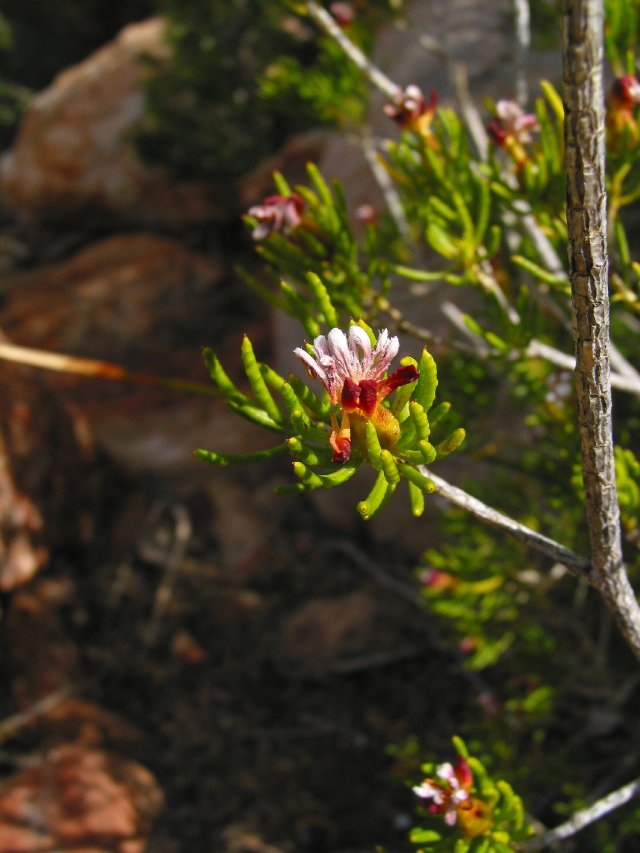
(367, 214)
(344, 13)
(624, 96)
(277, 213)
(411, 111)
(353, 371)
(511, 129)
(452, 798)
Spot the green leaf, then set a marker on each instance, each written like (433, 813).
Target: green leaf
(304, 453)
(420, 420)
(484, 209)
(416, 275)
(308, 477)
(416, 499)
(438, 413)
(217, 373)
(256, 380)
(424, 836)
(282, 186)
(540, 273)
(451, 443)
(341, 475)
(299, 417)
(374, 450)
(427, 382)
(252, 413)
(428, 452)
(320, 184)
(323, 299)
(376, 498)
(418, 479)
(442, 241)
(554, 99)
(224, 459)
(319, 406)
(389, 468)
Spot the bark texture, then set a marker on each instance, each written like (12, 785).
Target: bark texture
(588, 263)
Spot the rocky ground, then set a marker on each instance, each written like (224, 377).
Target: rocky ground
(188, 662)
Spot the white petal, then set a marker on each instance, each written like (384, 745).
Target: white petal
(358, 338)
(446, 772)
(311, 365)
(320, 346)
(384, 353)
(427, 791)
(339, 349)
(460, 796)
(450, 817)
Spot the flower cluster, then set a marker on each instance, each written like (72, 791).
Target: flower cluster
(451, 797)
(352, 371)
(344, 13)
(411, 111)
(277, 213)
(512, 129)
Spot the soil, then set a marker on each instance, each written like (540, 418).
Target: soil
(272, 669)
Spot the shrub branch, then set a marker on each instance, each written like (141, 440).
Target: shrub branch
(588, 270)
(585, 817)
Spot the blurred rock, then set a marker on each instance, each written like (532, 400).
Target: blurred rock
(74, 161)
(149, 304)
(50, 476)
(125, 298)
(240, 840)
(45, 660)
(327, 630)
(79, 799)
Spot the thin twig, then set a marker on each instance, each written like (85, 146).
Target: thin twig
(326, 22)
(522, 32)
(62, 363)
(173, 556)
(585, 817)
(538, 349)
(387, 187)
(588, 272)
(10, 725)
(535, 348)
(576, 563)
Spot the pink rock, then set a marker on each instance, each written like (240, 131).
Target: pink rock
(81, 799)
(74, 159)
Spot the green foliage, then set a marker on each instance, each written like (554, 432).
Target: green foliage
(493, 232)
(621, 33)
(322, 257)
(242, 78)
(288, 407)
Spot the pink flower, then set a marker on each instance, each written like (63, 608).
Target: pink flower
(450, 793)
(621, 121)
(344, 13)
(626, 91)
(411, 111)
(511, 122)
(353, 371)
(367, 214)
(277, 213)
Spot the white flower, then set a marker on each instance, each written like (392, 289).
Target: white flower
(339, 357)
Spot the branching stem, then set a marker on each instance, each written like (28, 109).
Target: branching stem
(585, 817)
(588, 272)
(327, 23)
(576, 563)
